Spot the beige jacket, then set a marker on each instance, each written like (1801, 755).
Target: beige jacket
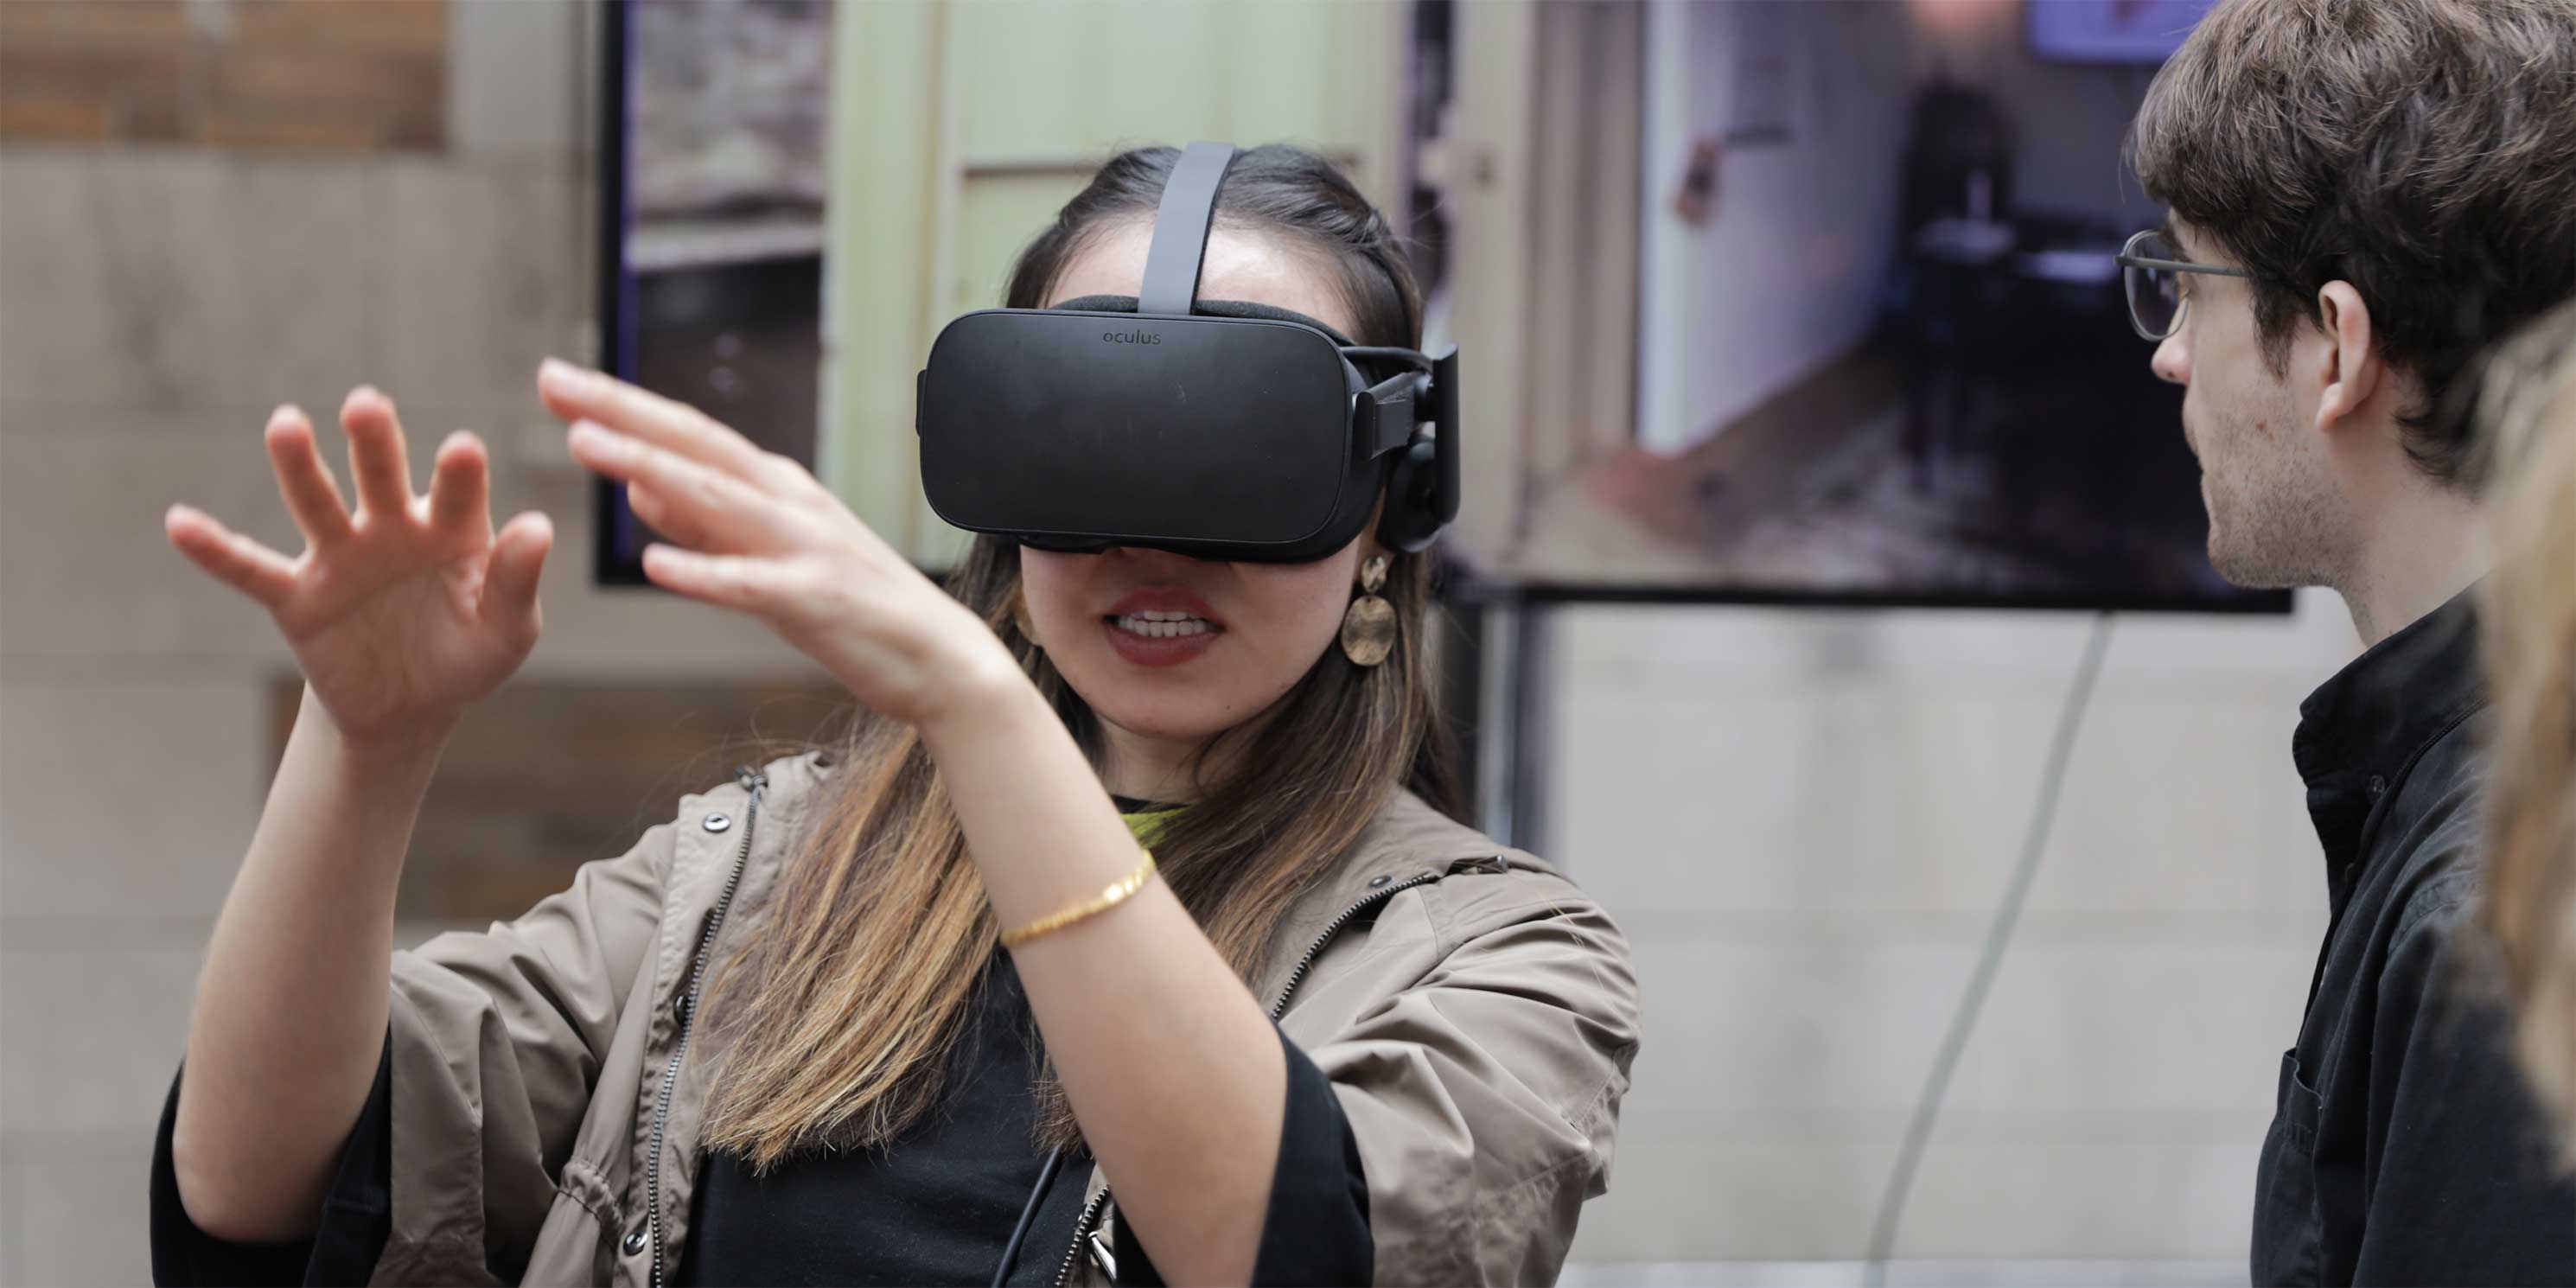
(1478, 1030)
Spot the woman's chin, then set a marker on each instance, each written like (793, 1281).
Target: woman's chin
(1187, 703)
(1165, 721)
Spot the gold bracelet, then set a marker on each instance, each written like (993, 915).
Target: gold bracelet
(1117, 893)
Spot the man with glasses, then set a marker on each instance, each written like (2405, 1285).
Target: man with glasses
(2363, 194)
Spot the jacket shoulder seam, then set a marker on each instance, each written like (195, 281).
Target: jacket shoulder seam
(1570, 902)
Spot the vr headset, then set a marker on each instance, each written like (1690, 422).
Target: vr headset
(1215, 429)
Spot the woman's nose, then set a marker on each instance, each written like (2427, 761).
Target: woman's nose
(1149, 559)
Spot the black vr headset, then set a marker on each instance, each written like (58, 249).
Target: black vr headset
(1214, 429)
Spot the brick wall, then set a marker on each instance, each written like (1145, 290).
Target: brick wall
(338, 75)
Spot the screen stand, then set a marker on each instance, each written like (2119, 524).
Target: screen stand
(1508, 650)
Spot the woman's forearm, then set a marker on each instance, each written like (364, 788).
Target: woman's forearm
(1173, 1070)
(291, 1007)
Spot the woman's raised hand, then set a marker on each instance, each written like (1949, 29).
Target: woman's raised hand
(402, 612)
(755, 532)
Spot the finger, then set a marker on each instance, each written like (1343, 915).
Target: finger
(231, 558)
(311, 495)
(745, 583)
(671, 522)
(510, 578)
(460, 485)
(376, 452)
(577, 393)
(691, 502)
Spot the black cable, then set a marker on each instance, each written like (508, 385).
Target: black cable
(2070, 718)
(1029, 1215)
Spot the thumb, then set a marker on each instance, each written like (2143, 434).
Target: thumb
(510, 579)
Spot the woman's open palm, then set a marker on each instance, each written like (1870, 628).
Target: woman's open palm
(405, 611)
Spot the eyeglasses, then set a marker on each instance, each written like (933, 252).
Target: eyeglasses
(2151, 271)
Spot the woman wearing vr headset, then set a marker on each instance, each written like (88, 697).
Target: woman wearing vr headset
(922, 1007)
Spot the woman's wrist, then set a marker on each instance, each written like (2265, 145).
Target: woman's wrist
(407, 752)
(341, 813)
(984, 695)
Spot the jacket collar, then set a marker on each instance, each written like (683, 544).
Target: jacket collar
(1408, 841)
(2360, 730)
(1408, 838)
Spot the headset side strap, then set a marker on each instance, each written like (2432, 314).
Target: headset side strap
(1443, 414)
(1389, 412)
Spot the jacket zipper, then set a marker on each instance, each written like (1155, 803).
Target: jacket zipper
(1333, 928)
(1091, 1211)
(1081, 1232)
(755, 783)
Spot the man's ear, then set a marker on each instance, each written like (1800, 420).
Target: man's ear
(2352, 370)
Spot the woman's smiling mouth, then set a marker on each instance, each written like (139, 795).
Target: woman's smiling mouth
(1161, 626)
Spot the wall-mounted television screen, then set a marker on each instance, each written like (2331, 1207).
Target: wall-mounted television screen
(1883, 355)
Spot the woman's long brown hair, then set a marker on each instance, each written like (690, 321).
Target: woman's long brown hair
(837, 1021)
(2526, 407)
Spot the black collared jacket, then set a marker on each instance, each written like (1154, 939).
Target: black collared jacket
(2405, 1146)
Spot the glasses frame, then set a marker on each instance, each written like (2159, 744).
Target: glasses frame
(2129, 258)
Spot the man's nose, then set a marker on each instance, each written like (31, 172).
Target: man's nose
(2173, 359)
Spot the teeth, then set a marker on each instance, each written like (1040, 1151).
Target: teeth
(1164, 626)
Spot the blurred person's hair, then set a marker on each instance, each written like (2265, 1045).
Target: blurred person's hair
(2422, 150)
(836, 1023)
(2524, 416)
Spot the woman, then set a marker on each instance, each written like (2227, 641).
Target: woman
(1321, 1034)
(2527, 408)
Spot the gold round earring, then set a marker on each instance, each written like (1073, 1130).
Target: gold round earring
(1368, 628)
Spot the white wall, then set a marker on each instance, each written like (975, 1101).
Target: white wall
(1803, 820)
(1785, 275)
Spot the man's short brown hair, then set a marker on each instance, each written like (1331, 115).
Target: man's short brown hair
(2422, 150)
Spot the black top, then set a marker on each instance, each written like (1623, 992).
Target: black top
(933, 1208)
(937, 1207)
(357, 1215)
(2405, 1146)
